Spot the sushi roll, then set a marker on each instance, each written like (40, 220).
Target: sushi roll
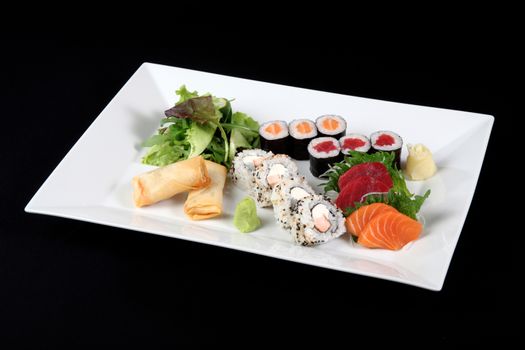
(331, 125)
(302, 131)
(323, 151)
(354, 142)
(316, 220)
(275, 136)
(285, 196)
(244, 165)
(387, 141)
(272, 171)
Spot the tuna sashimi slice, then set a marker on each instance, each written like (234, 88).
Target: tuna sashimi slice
(376, 170)
(356, 189)
(390, 230)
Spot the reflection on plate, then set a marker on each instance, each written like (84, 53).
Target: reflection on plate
(92, 183)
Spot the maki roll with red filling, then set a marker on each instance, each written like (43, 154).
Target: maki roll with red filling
(354, 142)
(331, 125)
(302, 131)
(387, 141)
(323, 151)
(275, 137)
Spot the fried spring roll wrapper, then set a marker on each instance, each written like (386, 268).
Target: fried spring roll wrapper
(207, 202)
(167, 181)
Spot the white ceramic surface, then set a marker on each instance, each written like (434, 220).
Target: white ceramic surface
(93, 181)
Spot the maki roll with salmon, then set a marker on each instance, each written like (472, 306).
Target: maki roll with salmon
(354, 142)
(271, 172)
(275, 136)
(387, 141)
(323, 151)
(285, 196)
(244, 165)
(331, 125)
(302, 131)
(316, 220)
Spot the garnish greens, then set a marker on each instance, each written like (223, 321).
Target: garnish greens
(398, 196)
(201, 125)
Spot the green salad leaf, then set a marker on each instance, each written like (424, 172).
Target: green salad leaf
(184, 94)
(169, 145)
(244, 132)
(406, 204)
(199, 109)
(398, 196)
(199, 136)
(201, 125)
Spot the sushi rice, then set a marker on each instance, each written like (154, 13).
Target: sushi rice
(308, 216)
(270, 173)
(244, 165)
(285, 196)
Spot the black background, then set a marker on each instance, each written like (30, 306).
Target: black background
(65, 281)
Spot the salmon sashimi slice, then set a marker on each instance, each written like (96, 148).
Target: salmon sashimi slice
(390, 230)
(358, 220)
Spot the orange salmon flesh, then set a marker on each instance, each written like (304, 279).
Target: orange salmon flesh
(330, 124)
(304, 128)
(274, 128)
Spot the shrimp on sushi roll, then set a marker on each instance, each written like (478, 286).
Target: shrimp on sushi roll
(316, 220)
(272, 171)
(244, 165)
(285, 197)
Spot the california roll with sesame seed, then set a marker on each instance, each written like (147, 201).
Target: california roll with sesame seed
(272, 171)
(244, 165)
(315, 220)
(285, 196)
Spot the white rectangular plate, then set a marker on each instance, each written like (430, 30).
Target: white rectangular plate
(93, 181)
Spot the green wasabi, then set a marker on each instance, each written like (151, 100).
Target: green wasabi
(245, 217)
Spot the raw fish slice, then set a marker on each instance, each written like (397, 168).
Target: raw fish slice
(357, 188)
(376, 170)
(356, 222)
(390, 230)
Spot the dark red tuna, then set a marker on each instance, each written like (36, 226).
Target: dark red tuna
(356, 189)
(375, 170)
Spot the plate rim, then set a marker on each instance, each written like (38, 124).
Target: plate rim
(33, 208)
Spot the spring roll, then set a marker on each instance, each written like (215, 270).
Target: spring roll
(167, 181)
(207, 202)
